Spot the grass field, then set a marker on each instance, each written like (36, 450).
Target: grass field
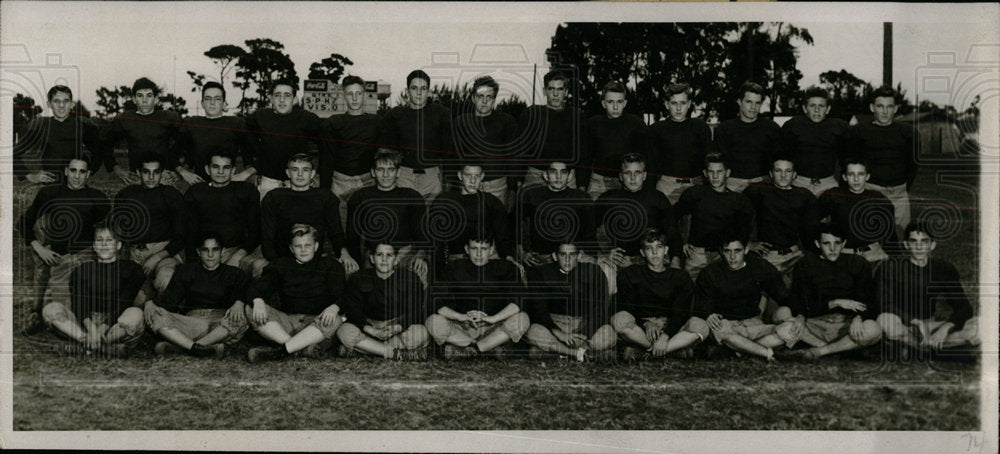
(53, 392)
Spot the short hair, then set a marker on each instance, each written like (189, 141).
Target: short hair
(782, 156)
(679, 88)
(462, 166)
(210, 85)
(59, 89)
(815, 92)
(730, 235)
(751, 87)
(480, 235)
(105, 225)
(921, 227)
(417, 74)
(351, 80)
(151, 156)
(222, 153)
(857, 161)
(716, 157)
(301, 157)
(613, 87)
(486, 81)
(299, 230)
(829, 229)
(373, 244)
(884, 91)
(81, 156)
(387, 156)
(632, 158)
(555, 75)
(284, 81)
(144, 83)
(651, 236)
(202, 237)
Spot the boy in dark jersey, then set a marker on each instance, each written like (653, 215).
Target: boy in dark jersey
(862, 214)
(728, 295)
(278, 132)
(352, 139)
(300, 203)
(570, 309)
(102, 315)
(833, 296)
(384, 306)
(678, 145)
(714, 209)
(610, 136)
(465, 210)
(145, 130)
(891, 149)
(421, 132)
(815, 141)
(387, 212)
(61, 137)
(786, 217)
(658, 297)
(156, 214)
(201, 135)
(229, 208)
(548, 212)
(58, 228)
(479, 313)
(309, 292)
(202, 309)
(749, 140)
(553, 132)
(922, 299)
(486, 137)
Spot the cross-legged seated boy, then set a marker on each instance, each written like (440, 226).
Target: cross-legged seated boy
(729, 291)
(103, 293)
(659, 297)
(308, 289)
(483, 315)
(384, 307)
(202, 308)
(571, 315)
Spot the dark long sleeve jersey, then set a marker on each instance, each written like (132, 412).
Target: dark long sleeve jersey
(423, 136)
(818, 281)
(785, 217)
(609, 139)
(488, 141)
(678, 149)
(552, 216)
(154, 215)
(106, 288)
(626, 216)
(892, 151)
(300, 288)
(156, 133)
(231, 211)
(932, 291)
(274, 138)
(815, 146)
(452, 216)
(713, 213)
(488, 288)
(864, 218)
(69, 216)
(397, 215)
(550, 135)
(352, 141)
(201, 136)
(59, 141)
(399, 296)
(194, 287)
(644, 293)
(736, 294)
(581, 293)
(749, 146)
(282, 208)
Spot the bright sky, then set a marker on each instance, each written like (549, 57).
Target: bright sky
(108, 44)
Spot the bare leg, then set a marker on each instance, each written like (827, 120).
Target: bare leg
(742, 344)
(273, 332)
(176, 337)
(542, 338)
(308, 336)
(216, 335)
(493, 340)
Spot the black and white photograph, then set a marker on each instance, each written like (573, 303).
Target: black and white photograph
(499, 227)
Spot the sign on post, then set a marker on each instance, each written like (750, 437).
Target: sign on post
(325, 98)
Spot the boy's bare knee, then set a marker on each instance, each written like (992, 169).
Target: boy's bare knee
(622, 321)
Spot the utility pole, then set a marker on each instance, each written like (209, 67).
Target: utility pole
(887, 53)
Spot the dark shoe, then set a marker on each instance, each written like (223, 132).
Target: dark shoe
(455, 352)
(164, 348)
(314, 351)
(345, 352)
(258, 354)
(113, 351)
(206, 351)
(631, 354)
(402, 354)
(73, 349)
